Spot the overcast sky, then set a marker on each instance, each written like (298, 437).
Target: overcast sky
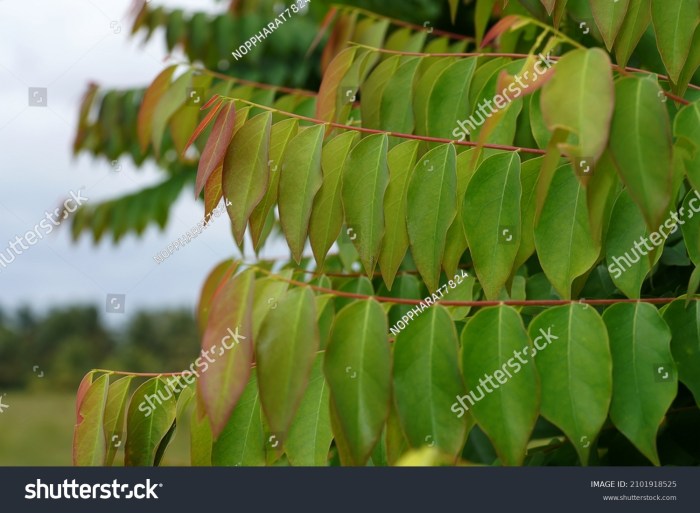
(62, 45)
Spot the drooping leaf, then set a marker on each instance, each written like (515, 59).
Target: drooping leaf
(170, 101)
(211, 285)
(674, 25)
(401, 161)
(310, 436)
(327, 212)
(300, 179)
(215, 148)
(332, 78)
(492, 343)
(115, 411)
(246, 173)
(285, 352)
(427, 380)
(89, 448)
(150, 99)
(641, 144)
(689, 219)
(575, 366)
(491, 216)
(581, 78)
(633, 27)
(229, 339)
(565, 246)
(241, 443)
(609, 17)
(644, 377)
(684, 322)
(430, 209)
(365, 179)
(358, 370)
(149, 419)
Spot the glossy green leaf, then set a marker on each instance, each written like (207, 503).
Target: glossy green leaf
(565, 246)
(327, 212)
(241, 443)
(456, 242)
(430, 209)
(285, 352)
(427, 380)
(365, 179)
(608, 17)
(115, 412)
(644, 380)
(358, 370)
(633, 27)
(640, 142)
(401, 161)
(149, 419)
(686, 126)
(246, 174)
(529, 173)
(491, 215)
(310, 436)
(582, 78)
(684, 322)
(492, 343)
(674, 23)
(575, 367)
(689, 219)
(300, 179)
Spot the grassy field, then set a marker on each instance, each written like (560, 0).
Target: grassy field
(37, 429)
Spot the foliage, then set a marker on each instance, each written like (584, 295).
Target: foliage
(504, 229)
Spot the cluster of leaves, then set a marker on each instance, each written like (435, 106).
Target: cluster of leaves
(317, 372)
(564, 178)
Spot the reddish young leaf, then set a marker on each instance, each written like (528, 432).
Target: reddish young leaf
(215, 149)
(228, 339)
(202, 125)
(499, 28)
(327, 20)
(150, 99)
(328, 93)
(80, 396)
(213, 191)
(209, 103)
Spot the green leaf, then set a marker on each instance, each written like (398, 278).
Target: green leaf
(401, 160)
(115, 411)
(211, 285)
(300, 179)
(641, 352)
(575, 371)
(280, 135)
(685, 342)
(268, 292)
(563, 238)
(492, 343)
(582, 78)
(167, 105)
(456, 243)
(241, 443)
(215, 148)
(690, 224)
(365, 179)
(641, 144)
(148, 105)
(201, 438)
(330, 86)
(89, 434)
(430, 209)
(633, 27)
(491, 215)
(427, 380)
(246, 172)
(686, 126)
(358, 370)
(628, 264)
(529, 173)
(229, 339)
(674, 24)
(149, 419)
(327, 212)
(608, 17)
(310, 436)
(285, 352)
(442, 95)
